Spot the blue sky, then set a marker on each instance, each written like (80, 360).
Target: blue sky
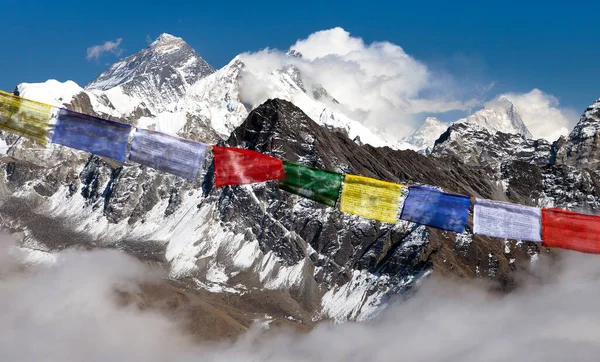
(517, 45)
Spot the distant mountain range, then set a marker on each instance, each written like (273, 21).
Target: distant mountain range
(169, 87)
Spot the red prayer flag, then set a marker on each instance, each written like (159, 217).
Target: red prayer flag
(571, 230)
(236, 166)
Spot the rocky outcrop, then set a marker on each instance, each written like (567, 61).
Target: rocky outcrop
(476, 146)
(582, 148)
(534, 172)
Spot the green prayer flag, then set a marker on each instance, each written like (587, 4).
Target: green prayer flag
(315, 184)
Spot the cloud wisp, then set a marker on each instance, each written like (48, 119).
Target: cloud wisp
(110, 46)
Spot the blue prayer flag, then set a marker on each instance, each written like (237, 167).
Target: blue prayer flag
(427, 206)
(91, 134)
(167, 153)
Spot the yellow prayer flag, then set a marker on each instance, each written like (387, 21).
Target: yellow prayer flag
(25, 117)
(370, 198)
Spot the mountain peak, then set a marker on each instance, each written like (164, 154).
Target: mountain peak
(166, 43)
(499, 115)
(593, 108)
(582, 146)
(501, 105)
(155, 76)
(432, 121)
(165, 37)
(424, 138)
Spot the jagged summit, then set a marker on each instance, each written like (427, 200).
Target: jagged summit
(499, 115)
(476, 145)
(582, 147)
(165, 37)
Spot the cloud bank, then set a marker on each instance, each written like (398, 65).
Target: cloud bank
(110, 46)
(65, 311)
(542, 114)
(378, 84)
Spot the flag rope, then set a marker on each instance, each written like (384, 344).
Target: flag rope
(363, 196)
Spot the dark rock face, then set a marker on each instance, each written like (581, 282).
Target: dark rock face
(349, 243)
(582, 148)
(331, 249)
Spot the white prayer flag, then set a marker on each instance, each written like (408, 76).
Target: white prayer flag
(167, 153)
(505, 220)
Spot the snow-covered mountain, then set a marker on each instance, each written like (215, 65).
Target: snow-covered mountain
(262, 247)
(51, 91)
(582, 147)
(424, 138)
(154, 78)
(477, 146)
(169, 87)
(145, 87)
(499, 115)
(216, 102)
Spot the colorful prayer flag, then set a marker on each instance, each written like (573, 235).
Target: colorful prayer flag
(505, 220)
(427, 206)
(315, 184)
(370, 198)
(91, 134)
(571, 230)
(25, 117)
(236, 166)
(167, 153)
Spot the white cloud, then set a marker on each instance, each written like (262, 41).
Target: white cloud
(378, 84)
(543, 115)
(336, 41)
(66, 311)
(96, 51)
